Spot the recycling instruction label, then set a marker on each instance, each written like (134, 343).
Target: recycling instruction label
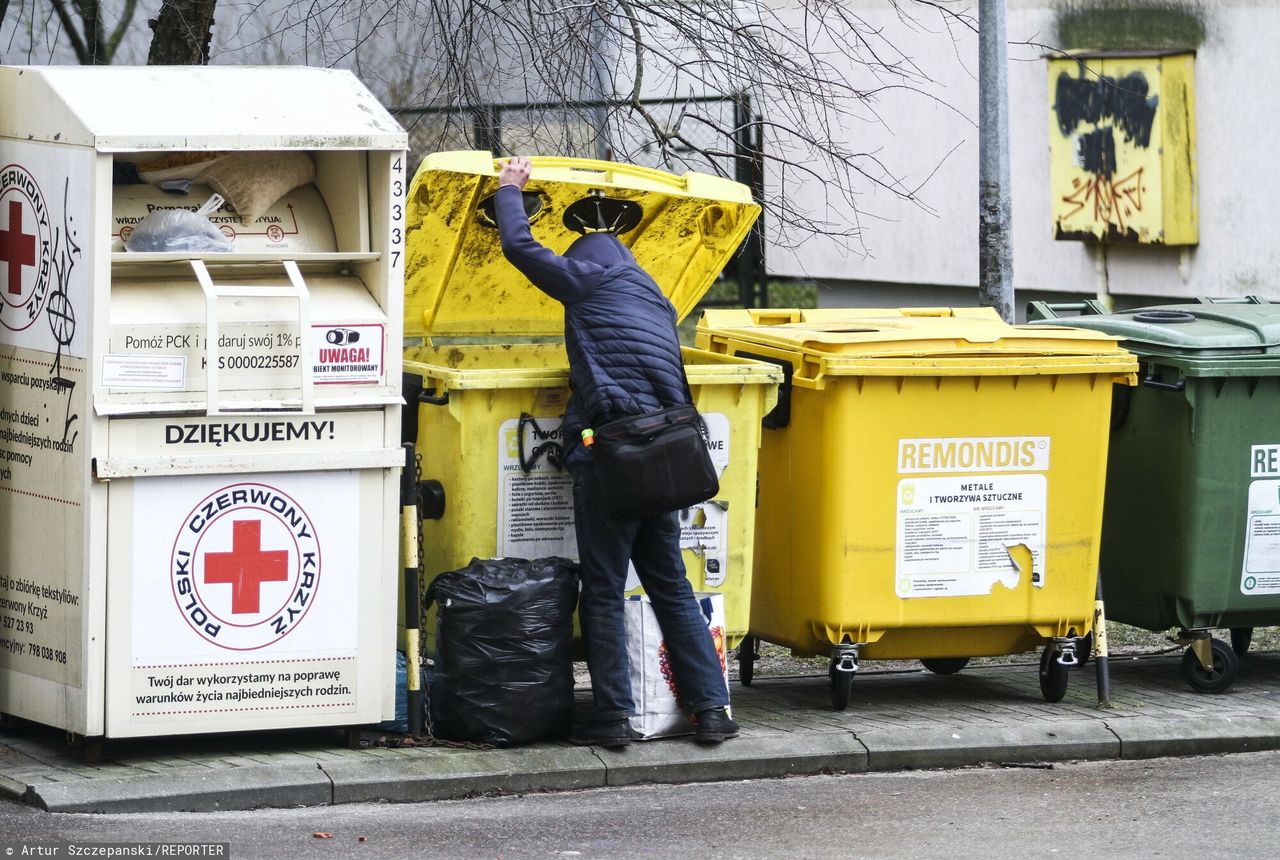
(1261, 574)
(955, 534)
(535, 498)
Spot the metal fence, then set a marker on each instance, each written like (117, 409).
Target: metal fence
(725, 136)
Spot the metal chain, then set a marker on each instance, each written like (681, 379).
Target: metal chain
(429, 738)
(417, 484)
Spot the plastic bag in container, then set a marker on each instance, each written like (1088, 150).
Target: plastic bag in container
(504, 650)
(253, 181)
(400, 724)
(180, 230)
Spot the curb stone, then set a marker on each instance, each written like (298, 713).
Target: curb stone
(1147, 738)
(208, 791)
(445, 774)
(760, 756)
(969, 745)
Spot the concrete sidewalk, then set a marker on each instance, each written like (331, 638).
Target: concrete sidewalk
(895, 720)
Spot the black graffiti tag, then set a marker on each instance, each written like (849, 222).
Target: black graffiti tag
(60, 312)
(1111, 105)
(1104, 101)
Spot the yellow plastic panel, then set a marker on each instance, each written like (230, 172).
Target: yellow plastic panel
(1123, 149)
(911, 341)
(457, 282)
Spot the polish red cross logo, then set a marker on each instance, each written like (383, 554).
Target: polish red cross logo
(26, 248)
(246, 567)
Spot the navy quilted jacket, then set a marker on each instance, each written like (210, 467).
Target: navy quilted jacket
(619, 329)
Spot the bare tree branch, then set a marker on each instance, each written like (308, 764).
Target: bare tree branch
(69, 27)
(663, 82)
(122, 27)
(84, 23)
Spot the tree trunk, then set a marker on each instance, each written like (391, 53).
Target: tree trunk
(183, 30)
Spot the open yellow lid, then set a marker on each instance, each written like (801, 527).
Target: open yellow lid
(942, 341)
(681, 229)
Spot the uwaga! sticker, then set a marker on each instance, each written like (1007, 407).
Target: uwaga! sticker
(245, 566)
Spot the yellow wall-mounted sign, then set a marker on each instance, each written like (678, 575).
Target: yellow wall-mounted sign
(1122, 148)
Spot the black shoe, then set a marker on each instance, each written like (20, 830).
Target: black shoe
(714, 726)
(611, 733)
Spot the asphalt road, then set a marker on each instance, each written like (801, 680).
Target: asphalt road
(1214, 806)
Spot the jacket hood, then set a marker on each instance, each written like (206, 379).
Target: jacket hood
(603, 249)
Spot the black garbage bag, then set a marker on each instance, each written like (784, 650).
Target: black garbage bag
(504, 650)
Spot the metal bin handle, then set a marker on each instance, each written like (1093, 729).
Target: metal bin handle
(297, 290)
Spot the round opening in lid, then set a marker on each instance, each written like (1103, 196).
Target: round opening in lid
(1164, 317)
(535, 204)
(596, 213)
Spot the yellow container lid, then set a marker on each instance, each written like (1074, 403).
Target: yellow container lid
(911, 341)
(681, 229)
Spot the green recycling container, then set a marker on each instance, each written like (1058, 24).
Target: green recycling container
(1191, 512)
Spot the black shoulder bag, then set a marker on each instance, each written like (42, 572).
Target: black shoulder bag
(657, 462)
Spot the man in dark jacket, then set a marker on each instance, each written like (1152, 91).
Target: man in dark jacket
(624, 359)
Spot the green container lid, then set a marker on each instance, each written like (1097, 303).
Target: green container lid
(1200, 338)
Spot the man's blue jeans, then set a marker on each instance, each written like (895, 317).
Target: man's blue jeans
(605, 544)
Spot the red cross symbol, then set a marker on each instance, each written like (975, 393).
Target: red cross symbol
(17, 248)
(246, 567)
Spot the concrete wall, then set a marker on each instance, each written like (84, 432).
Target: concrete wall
(919, 253)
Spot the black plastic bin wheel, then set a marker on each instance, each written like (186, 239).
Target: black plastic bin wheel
(945, 665)
(1084, 650)
(747, 657)
(1225, 667)
(1241, 639)
(1053, 675)
(840, 684)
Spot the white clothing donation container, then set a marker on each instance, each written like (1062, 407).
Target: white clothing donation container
(199, 432)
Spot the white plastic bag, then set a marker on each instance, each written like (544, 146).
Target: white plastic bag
(180, 230)
(653, 689)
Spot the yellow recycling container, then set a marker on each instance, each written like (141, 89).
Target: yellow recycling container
(931, 485)
(494, 374)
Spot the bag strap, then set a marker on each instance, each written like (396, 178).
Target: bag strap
(688, 392)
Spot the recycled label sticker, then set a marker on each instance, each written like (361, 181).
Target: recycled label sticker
(702, 530)
(135, 372)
